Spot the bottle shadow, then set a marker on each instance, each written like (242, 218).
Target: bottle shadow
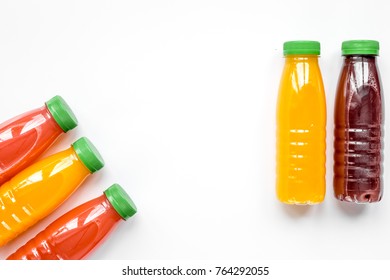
(351, 209)
(298, 211)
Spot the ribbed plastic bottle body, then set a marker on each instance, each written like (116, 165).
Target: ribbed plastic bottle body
(37, 191)
(301, 132)
(25, 137)
(74, 235)
(358, 132)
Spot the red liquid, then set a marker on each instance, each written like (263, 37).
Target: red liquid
(24, 138)
(74, 235)
(358, 132)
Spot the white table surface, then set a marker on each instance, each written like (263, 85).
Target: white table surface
(180, 97)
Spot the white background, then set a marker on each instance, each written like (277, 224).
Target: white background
(179, 97)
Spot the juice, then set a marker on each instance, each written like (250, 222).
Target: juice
(39, 189)
(77, 233)
(301, 126)
(25, 137)
(358, 125)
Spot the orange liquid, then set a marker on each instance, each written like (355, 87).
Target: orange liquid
(301, 132)
(37, 191)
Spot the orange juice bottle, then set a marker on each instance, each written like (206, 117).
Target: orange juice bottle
(39, 189)
(301, 126)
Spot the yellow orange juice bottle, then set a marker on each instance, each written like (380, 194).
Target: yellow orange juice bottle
(39, 189)
(301, 126)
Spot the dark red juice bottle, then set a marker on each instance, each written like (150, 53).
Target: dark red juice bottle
(358, 125)
(25, 137)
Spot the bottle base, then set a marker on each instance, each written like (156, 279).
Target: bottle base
(364, 198)
(301, 203)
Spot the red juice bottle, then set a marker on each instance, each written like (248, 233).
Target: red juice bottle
(77, 233)
(25, 137)
(358, 120)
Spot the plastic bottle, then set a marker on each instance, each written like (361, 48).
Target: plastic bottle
(77, 233)
(25, 137)
(358, 125)
(301, 126)
(39, 189)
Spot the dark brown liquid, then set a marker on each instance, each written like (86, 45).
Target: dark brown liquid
(358, 132)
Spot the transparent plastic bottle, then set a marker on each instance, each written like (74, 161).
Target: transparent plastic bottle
(79, 232)
(358, 118)
(38, 190)
(25, 137)
(301, 126)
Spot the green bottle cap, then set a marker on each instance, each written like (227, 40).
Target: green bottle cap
(88, 154)
(364, 47)
(301, 47)
(121, 201)
(62, 113)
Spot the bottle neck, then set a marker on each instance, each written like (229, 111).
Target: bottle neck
(45, 111)
(109, 207)
(78, 163)
(360, 58)
(301, 58)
